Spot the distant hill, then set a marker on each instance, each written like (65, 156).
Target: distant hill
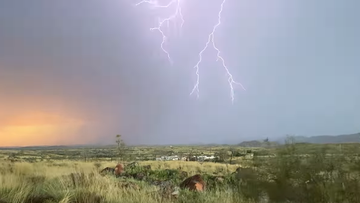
(320, 139)
(257, 143)
(327, 139)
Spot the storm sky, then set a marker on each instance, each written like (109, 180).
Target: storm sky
(80, 72)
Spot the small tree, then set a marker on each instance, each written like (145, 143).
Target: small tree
(85, 154)
(120, 146)
(231, 153)
(223, 155)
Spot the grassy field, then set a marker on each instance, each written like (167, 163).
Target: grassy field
(289, 173)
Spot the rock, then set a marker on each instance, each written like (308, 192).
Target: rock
(193, 183)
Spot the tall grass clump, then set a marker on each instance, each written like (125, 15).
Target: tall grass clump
(294, 177)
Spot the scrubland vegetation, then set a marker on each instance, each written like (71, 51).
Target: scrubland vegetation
(288, 173)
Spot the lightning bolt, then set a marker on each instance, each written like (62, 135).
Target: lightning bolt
(167, 20)
(211, 39)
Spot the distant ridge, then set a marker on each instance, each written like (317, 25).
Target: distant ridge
(320, 139)
(256, 143)
(326, 139)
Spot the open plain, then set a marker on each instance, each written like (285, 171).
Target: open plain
(285, 173)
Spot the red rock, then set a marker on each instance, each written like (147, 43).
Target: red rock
(193, 183)
(119, 169)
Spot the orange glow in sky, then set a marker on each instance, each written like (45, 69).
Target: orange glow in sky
(38, 128)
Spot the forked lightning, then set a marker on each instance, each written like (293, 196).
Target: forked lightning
(211, 39)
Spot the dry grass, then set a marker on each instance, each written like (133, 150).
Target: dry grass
(50, 182)
(323, 176)
(194, 167)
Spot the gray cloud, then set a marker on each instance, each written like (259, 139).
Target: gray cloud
(99, 62)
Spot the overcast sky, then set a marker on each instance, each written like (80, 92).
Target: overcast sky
(82, 71)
